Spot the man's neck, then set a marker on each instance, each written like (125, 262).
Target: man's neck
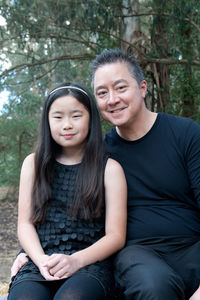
(139, 127)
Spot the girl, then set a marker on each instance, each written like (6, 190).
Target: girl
(72, 204)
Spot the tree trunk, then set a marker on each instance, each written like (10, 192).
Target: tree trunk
(189, 106)
(131, 30)
(161, 72)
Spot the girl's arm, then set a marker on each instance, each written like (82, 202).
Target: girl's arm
(61, 265)
(27, 234)
(196, 295)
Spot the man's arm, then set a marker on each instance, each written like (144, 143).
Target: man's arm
(192, 157)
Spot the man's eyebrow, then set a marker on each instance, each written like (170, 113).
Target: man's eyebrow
(99, 88)
(120, 81)
(115, 83)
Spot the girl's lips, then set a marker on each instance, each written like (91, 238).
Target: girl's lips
(68, 136)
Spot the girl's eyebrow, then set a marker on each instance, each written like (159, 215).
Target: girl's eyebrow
(72, 111)
(56, 112)
(76, 110)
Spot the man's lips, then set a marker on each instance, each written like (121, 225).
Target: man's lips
(116, 110)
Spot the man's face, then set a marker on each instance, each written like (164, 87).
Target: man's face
(119, 98)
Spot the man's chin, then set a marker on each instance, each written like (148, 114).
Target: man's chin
(117, 123)
(113, 121)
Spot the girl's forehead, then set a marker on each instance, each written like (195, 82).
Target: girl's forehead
(67, 102)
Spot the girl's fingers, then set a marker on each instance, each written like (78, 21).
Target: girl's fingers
(45, 273)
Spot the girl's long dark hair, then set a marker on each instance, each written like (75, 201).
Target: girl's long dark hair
(89, 189)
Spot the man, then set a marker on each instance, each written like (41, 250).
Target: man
(160, 155)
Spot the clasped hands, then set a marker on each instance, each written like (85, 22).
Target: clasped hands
(58, 266)
(53, 267)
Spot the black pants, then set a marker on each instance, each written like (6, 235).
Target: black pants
(159, 268)
(77, 287)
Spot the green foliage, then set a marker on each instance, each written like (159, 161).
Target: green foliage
(174, 28)
(45, 43)
(18, 127)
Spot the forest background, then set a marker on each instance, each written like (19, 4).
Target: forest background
(44, 43)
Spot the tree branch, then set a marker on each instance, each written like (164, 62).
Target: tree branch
(171, 61)
(151, 13)
(167, 61)
(42, 62)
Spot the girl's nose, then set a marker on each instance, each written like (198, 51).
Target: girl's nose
(67, 124)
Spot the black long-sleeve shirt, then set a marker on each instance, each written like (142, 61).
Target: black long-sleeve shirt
(163, 176)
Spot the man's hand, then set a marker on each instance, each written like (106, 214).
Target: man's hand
(20, 260)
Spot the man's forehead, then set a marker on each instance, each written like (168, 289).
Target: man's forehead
(117, 69)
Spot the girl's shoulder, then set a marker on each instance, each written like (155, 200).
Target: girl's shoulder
(113, 166)
(28, 168)
(29, 160)
(115, 180)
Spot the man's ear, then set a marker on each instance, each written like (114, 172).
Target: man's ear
(143, 87)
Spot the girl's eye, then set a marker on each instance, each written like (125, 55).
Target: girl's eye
(76, 116)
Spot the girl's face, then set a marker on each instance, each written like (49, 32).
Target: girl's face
(69, 122)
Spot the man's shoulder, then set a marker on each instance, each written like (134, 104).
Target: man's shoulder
(184, 130)
(178, 121)
(175, 118)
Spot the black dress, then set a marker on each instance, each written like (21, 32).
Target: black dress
(61, 234)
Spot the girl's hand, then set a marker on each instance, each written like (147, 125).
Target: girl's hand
(44, 270)
(20, 260)
(61, 265)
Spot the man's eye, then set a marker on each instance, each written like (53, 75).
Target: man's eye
(101, 93)
(121, 88)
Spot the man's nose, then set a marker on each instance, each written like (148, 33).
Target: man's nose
(112, 98)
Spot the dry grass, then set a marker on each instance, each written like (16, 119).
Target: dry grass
(7, 192)
(3, 289)
(8, 236)
(9, 245)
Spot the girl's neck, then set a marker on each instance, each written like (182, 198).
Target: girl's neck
(70, 157)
